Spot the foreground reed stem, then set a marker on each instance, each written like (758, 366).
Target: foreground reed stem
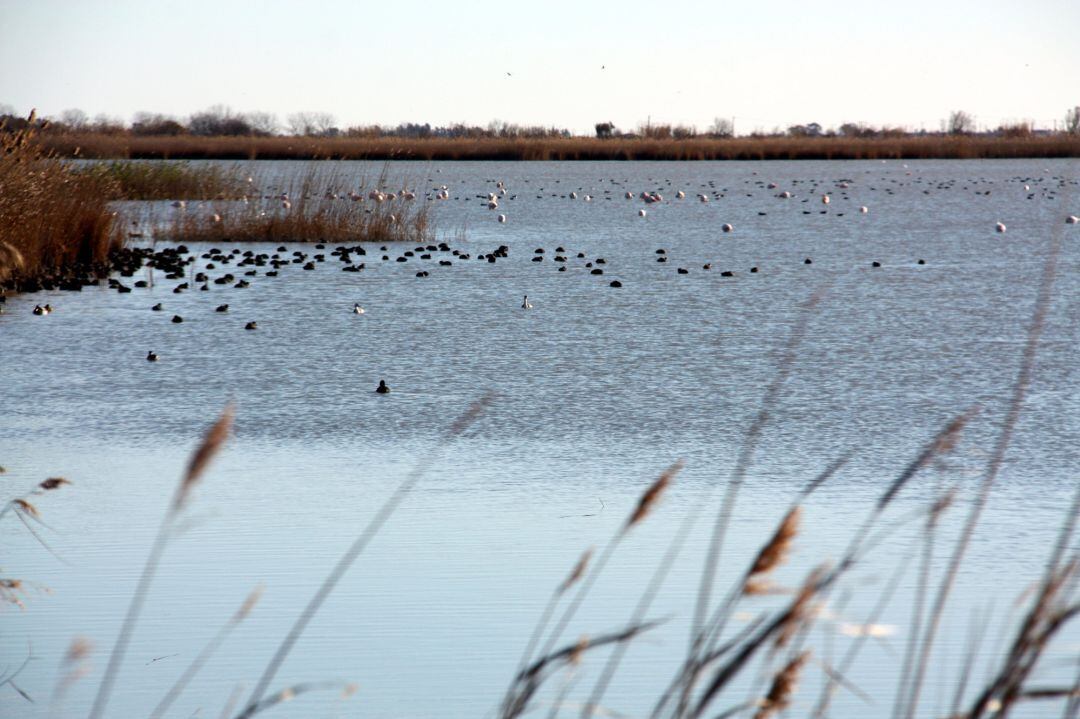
(209, 447)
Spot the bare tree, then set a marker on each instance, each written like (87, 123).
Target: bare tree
(218, 120)
(74, 119)
(298, 123)
(684, 132)
(262, 123)
(310, 123)
(722, 127)
(856, 129)
(323, 122)
(154, 123)
(1072, 121)
(961, 123)
(107, 125)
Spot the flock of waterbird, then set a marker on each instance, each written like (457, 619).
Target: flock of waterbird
(191, 269)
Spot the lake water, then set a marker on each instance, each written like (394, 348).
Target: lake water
(596, 390)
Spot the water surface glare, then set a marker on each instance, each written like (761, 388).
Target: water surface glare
(597, 389)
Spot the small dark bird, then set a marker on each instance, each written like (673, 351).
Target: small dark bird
(222, 308)
(382, 388)
(177, 319)
(251, 326)
(151, 357)
(157, 307)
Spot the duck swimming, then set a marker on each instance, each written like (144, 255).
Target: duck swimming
(357, 309)
(525, 304)
(382, 388)
(151, 357)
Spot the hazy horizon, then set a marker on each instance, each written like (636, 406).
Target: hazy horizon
(571, 66)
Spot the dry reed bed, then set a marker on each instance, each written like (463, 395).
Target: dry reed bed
(135, 180)
(575, 148)
(58, 228)
(53, 221)
(320, 207)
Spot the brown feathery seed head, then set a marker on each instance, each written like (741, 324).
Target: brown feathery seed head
(652, 494)
(79, 648)
(249, 603)
(475, 410)
(801, 608)
(578, 571)
(940, 505)
(783, 687)
(946, 442)
(776, 550)
(212, 442)
(26, 507)
(53, 483)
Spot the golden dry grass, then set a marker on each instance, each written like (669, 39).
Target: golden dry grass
(52, 219)
(315, 209)
(571, 148)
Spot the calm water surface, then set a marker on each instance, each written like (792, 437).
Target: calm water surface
(597, 390)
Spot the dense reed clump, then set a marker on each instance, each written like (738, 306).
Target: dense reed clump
(55, 223)
(132, 180)
(319, 208)
(99, 145)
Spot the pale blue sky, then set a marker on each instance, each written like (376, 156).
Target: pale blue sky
(769, 63)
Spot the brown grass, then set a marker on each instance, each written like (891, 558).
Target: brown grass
(318, 208)
(53, 220)
(573, 148)
(135, 180)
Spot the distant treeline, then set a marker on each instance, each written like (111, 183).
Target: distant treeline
(218, 133)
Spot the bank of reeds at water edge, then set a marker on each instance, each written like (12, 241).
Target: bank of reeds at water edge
(902, 147)
(54, 221)
(61, 226)
(733, 666)
(322, 206)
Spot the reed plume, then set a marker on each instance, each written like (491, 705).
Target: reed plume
(577, 572)
(776, 549)
(783, 687)
(652, 495)
(200, 460)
